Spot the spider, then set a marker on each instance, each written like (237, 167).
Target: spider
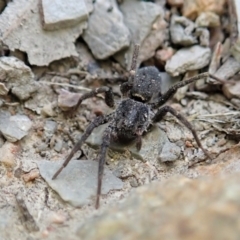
(139, 109)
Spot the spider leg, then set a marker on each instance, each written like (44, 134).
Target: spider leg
(101, 163)
(95, 123)
(167, 95)
(165, 109)
(125, 87)
(109, 98)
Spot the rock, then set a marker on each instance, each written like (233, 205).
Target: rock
(50, 128)
(178, 208)
(208, 19)
(55, 18)
(145, 20)
(203, 35)
(42, 47)
(232, 90)
(156, 38)
(48, 110)
(181, 30)
(81, 176)
(32, 175)
(228, 69)
(18, 77)
(58, 218)
(42, 101)
(193, 8)
(152, 143)
(162, 55)
(58, 145)
(170, 152)
(3, 89)
(8, 154)
(186, 59)
(14, 128)
(67, 100)
(106, 33)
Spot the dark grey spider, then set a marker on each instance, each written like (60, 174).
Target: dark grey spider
(135, 113)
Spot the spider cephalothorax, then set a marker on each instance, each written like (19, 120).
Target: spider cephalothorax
(141, 107)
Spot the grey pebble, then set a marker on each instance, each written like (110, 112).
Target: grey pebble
(77, 183)
(18, 77)
(14, 128)
(187, 59)
(50, 127)
(106, 33)
(170, 152)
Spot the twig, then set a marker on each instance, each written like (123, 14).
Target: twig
(67, 85)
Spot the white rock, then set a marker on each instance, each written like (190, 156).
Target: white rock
(187, 59)
(106, 33)
(59, 14)
(21, 29)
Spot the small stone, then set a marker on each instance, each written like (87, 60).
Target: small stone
(8, 154)
(193, 8)
(14, 127)
(208, 19)
(155, 39)
(186, 59)
(170, 152)
(203, 35)
(106, 33)
(67, 100)
(163, 55)
(181, 30)
(41, 147)
(188, 144)
(151, 34)
(3, 89)
(232, 90)
(18, 77)
(58, 145)
(228, 69)
(32, 175)
(55, 18)
(47, 110)
(81, 176)
(50, 128)
(57, 218)
(133, 182)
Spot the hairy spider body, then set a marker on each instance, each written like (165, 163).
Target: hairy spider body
(131, 119)
(134, 114)
(147, 85)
